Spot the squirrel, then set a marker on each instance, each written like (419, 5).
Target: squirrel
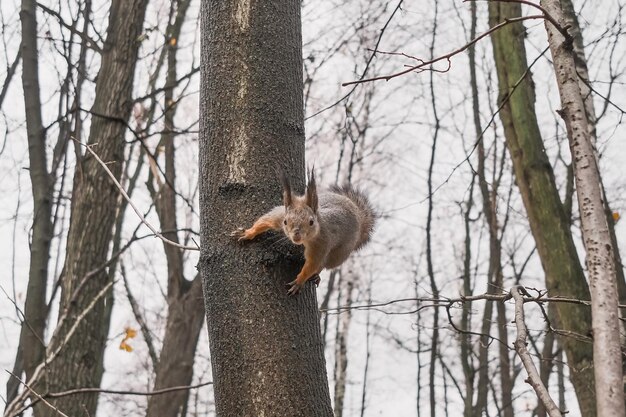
(330, 226)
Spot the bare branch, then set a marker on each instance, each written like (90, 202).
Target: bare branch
(546, 15)
(10, 73)
(123, 192)
(367, 65)
(445, 301)
(125, 392)
(104, 391)
(520, 347)
(90, 43)
(13, 408)
(147, 335)
(39, 397)
(422, 66)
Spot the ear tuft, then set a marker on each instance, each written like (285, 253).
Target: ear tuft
(287, 196)
(311, 192)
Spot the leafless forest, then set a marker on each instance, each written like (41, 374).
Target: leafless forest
(137, 135)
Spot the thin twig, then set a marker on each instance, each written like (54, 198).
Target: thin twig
(547, 16)
(90, 43)
(13, 408)
(123, 192)
(10, 72)
(39, 397)
(367, 64)
(445, 301)
(124, 392)
(111, 391)
(147, 335)
(447, 56)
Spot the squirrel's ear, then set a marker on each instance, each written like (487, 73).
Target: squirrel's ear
(311, 192)
(287, 196)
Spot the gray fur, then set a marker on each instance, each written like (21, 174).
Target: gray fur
(343, 224)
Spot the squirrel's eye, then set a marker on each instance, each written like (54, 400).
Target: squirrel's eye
(311, 222)
(285, 222)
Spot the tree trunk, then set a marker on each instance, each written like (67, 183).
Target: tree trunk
(595, 229)
(465, 341)
(184, 322)
(266, 348)
(535, 179)
(434, 343)
(345, 284)
(184, 298)
(31, 348)
(569, 14)
(94, 209)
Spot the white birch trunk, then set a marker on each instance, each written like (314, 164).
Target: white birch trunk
(595, 230)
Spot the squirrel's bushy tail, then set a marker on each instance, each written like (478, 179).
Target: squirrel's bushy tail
(367, 215)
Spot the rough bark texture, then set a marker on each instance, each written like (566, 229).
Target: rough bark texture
(595, 230)
(535, 179)
(266, 348)
(94, 208)
(31, 348)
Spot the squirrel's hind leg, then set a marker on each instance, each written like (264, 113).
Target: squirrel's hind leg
(309, 271)
(294, 286)
(316, 279)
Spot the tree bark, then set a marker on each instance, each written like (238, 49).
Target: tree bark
(535, 179)
(184, 322)
(534, 380)
(266, 348)
(569, 14)
(31, 348)
(346, 285)
(466, 351)
(595, 230)
(94, 208)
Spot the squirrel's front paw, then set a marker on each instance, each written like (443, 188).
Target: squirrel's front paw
(239, 234)
(294, 287)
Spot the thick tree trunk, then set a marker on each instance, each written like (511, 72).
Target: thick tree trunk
(595, 229)
(535, 179)
(266, 348)
(31, 348)
(94, 209)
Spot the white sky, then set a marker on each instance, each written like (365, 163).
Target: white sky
(394, 175)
